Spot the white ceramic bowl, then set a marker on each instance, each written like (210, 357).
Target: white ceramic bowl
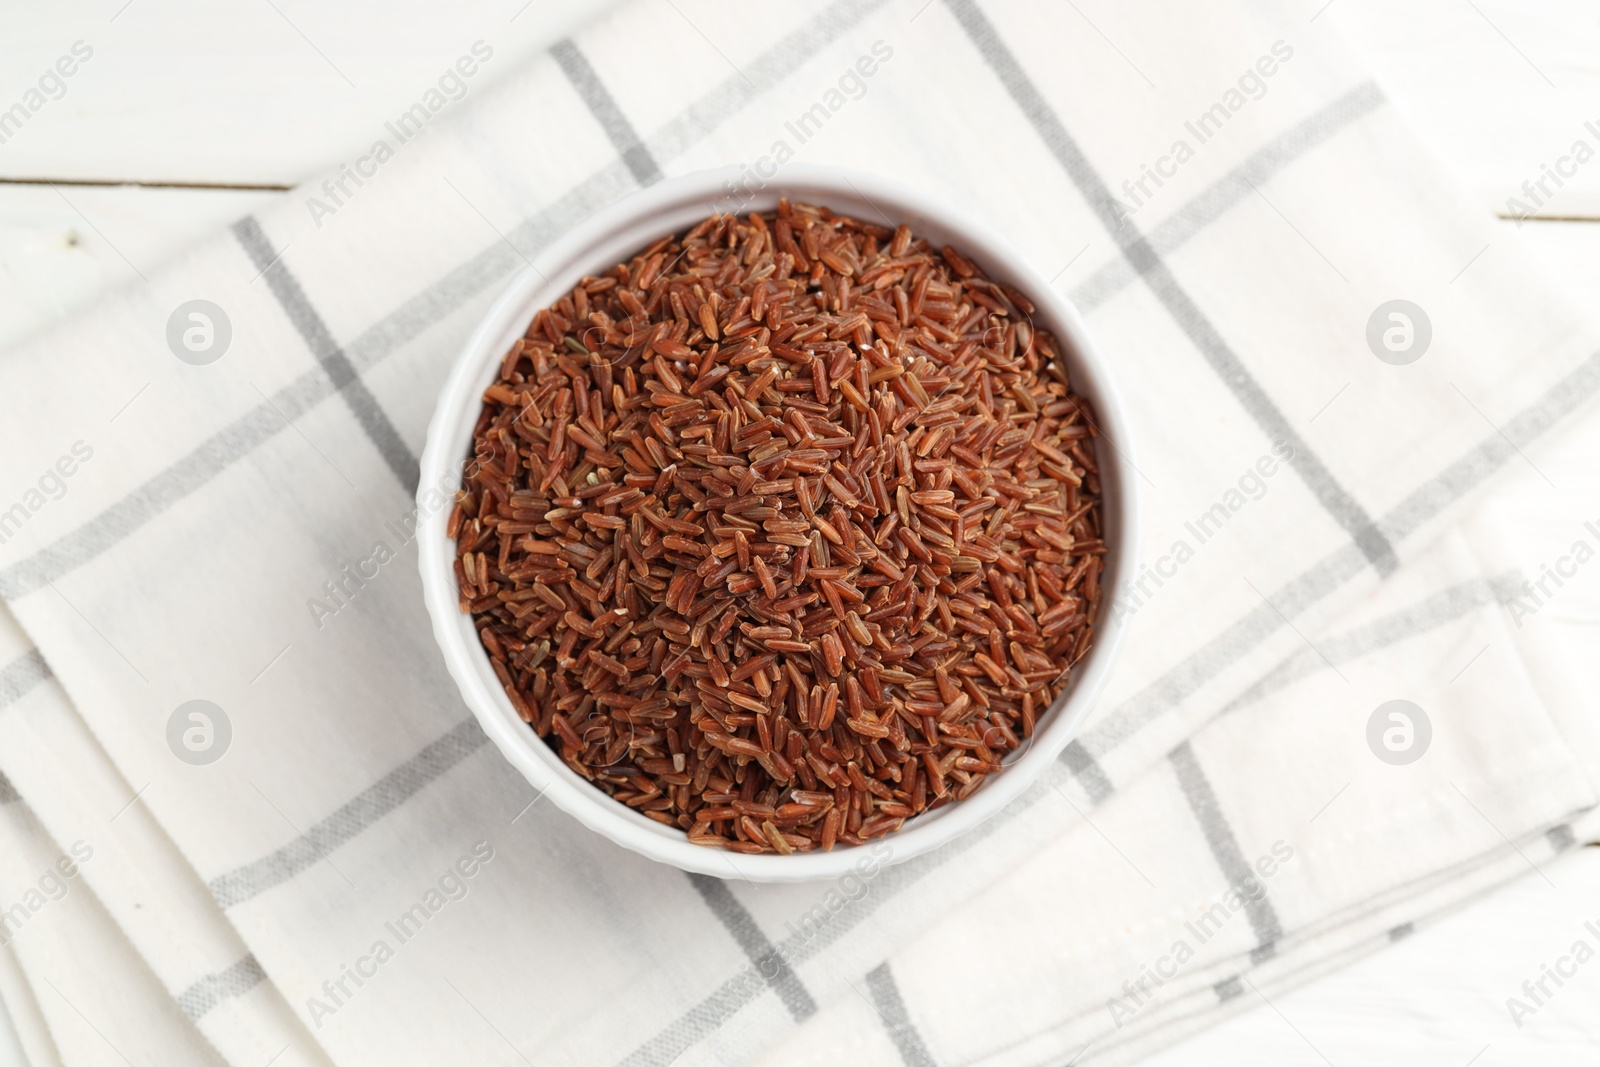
(612, 236)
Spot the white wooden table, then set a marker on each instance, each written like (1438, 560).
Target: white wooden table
(191, 113)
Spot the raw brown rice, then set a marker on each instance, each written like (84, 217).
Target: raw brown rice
(784, 531)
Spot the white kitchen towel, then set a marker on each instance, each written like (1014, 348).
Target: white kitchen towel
(1197, 891)
(32, 1046)
(1224, 192)
(143, 887)
(92, 990)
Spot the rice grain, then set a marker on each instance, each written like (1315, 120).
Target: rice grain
(785, 531)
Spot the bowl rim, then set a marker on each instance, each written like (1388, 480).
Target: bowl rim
(610, 236)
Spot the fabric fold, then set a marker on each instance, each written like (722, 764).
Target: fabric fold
(224, 600)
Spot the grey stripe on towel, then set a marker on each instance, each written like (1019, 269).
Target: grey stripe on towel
(763, 954)
(213, 989)
(896, 1020)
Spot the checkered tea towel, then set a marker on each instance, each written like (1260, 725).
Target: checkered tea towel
(1330, 358)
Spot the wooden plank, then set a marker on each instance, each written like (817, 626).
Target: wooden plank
(244, 93)
(190, 91)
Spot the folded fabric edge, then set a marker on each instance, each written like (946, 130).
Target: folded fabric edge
(212, 995)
